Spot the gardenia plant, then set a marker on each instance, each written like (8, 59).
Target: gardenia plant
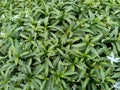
(59, 44)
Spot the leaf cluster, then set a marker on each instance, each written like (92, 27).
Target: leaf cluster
(59, 44)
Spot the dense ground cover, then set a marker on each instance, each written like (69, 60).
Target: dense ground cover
(59, 44)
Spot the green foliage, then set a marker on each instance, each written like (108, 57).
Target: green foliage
(59, 44)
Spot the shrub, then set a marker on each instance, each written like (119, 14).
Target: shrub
(59, 44)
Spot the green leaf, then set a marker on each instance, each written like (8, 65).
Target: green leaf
(116, 75)
(102, 72)
(61, 52)
(84, 84)
(79, 45)
(82, 74)
(91, 15)
(96, 38)
(49, 63)
(69, 73)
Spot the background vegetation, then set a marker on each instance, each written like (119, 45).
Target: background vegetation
(59, 44)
